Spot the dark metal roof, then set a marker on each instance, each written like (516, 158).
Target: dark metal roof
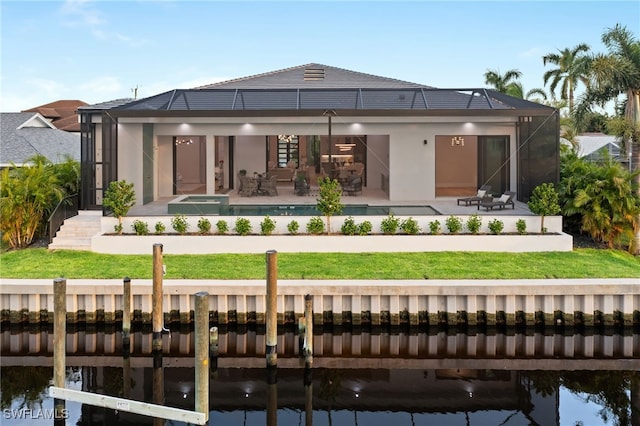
(310, 88)
(415, 99)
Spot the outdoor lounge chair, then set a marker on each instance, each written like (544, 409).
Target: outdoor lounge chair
(476, 199)
(505, 200)
(353, 186)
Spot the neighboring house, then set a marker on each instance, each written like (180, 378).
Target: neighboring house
(591, 146)
(62, 114)
(413, 141)
(26, 134)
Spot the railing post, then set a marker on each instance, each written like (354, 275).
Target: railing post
(157, 313)
(272, 309)
(308, 330)
(59, 342)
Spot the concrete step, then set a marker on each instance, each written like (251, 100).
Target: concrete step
(76, 232)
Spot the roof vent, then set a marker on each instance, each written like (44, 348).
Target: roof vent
(313, 74)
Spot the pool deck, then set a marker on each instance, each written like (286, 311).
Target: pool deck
(444, 205)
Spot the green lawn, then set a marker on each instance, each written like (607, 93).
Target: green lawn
(581, 263)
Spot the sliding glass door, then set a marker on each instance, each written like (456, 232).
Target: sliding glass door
(493, 162)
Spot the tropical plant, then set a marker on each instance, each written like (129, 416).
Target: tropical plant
(243, 226)
(119, 198)
(389, 225)
(544, 202)
(222, 227)
(454, 224)
(521, 226)
(140, 227)
(204, 225)
(293, 227)
(601, 199)
(505, 83)
(315, 225)
(329, 200)
(160, 228)
(573, 66)
(496, 226)
(267, 226)
(27, 196)
(410, 226)
(179, 224)
(474, 223)
(611, 75)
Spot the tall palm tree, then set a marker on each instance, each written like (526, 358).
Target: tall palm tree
(611, 75)
(573, 66)
(507, 83)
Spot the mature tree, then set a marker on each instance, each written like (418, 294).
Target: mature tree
(573, 65)
(507, 83)
(611, 75)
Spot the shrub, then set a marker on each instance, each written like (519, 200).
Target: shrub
(365, 228)
(267, 226)
(140, 227)
(410, 226)
(389, 225)
(222, 226)
(521, 226)
(434, 227)
(243, 226)
(179, 224)
(496, 226)
(349, 226)
(315, 225)
(454, 224)
(160, 228)
(204, 225)
(293, 227)
(474, 223)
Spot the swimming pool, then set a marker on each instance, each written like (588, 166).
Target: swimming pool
(218, 205)
(310, 210)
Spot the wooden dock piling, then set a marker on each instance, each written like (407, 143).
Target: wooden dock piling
(272, 309)
(59, 342)
(202, 348)
(157, 311)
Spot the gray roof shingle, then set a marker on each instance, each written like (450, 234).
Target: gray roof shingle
(17, 145)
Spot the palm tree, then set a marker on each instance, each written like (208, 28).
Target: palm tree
(611, 75)
(506, 83)
(572, 67)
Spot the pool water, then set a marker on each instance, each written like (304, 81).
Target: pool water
(310, 210)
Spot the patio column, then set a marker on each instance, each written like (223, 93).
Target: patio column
(211, 162)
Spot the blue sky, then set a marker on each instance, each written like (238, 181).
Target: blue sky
(100, 50)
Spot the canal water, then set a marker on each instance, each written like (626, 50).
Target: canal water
(359, 377)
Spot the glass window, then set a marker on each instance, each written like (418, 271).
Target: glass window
(288, 149)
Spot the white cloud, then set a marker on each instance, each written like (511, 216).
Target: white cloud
(81, 13)
(534, 52)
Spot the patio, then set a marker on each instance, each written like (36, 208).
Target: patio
(445, 205)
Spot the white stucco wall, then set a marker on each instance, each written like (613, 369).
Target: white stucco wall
(130, 157)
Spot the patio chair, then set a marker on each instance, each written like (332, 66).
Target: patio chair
(353, 186)
(249, 186)
(268, 185)
(476, 199)
(505, 200)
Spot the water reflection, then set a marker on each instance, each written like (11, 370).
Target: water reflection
(362, 378)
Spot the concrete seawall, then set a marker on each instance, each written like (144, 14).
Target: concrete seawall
(567, 302)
